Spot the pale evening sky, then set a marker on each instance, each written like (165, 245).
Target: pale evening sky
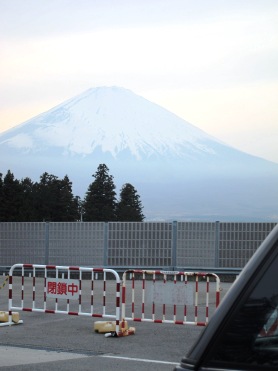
(212, 62)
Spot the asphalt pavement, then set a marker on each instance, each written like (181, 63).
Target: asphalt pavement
(44, 341)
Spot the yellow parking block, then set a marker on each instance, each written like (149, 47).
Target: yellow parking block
(4, 317)
(108, 326)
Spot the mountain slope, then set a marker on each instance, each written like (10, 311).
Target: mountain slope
(113, 119)
(179, 170)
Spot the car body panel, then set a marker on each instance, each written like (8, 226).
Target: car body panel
(248, 303)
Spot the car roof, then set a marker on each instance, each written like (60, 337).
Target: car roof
(249, 276)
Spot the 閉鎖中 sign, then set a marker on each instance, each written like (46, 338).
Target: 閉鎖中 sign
(62, 288)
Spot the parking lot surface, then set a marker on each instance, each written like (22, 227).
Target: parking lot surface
(64, 342)
(71, 343)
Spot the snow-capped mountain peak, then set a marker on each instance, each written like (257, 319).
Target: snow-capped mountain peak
(112, 120)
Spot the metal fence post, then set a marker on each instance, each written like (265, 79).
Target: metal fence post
(46, 251)
(217, 237)
(105, 245)
(174, 244)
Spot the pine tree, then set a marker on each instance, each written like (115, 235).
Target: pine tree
(10, 198)
(129, 208)
(100, 200)
(45, 197)
(66, 205)
(54, 199)
(27, 208)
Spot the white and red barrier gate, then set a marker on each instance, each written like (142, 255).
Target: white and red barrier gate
(68, 290)
(147, 295)
(169, 297)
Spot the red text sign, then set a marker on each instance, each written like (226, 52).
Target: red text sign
(62, 289)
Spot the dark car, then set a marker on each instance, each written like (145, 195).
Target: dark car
(243, 333)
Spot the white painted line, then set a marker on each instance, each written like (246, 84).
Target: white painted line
(14, 356)
(140, 360)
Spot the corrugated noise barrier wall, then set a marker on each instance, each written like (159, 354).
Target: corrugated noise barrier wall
(172, 245)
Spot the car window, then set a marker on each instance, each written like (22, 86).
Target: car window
(250, 338)
(270, 329)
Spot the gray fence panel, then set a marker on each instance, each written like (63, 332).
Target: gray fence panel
(239, 241)
(77, 244)
(195, 244)
(139, 244)
(22, 243)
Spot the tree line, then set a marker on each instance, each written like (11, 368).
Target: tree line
(51, 199)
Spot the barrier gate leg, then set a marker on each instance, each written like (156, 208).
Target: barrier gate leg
(9, 318)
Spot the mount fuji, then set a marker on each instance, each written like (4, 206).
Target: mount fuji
(179, 171)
